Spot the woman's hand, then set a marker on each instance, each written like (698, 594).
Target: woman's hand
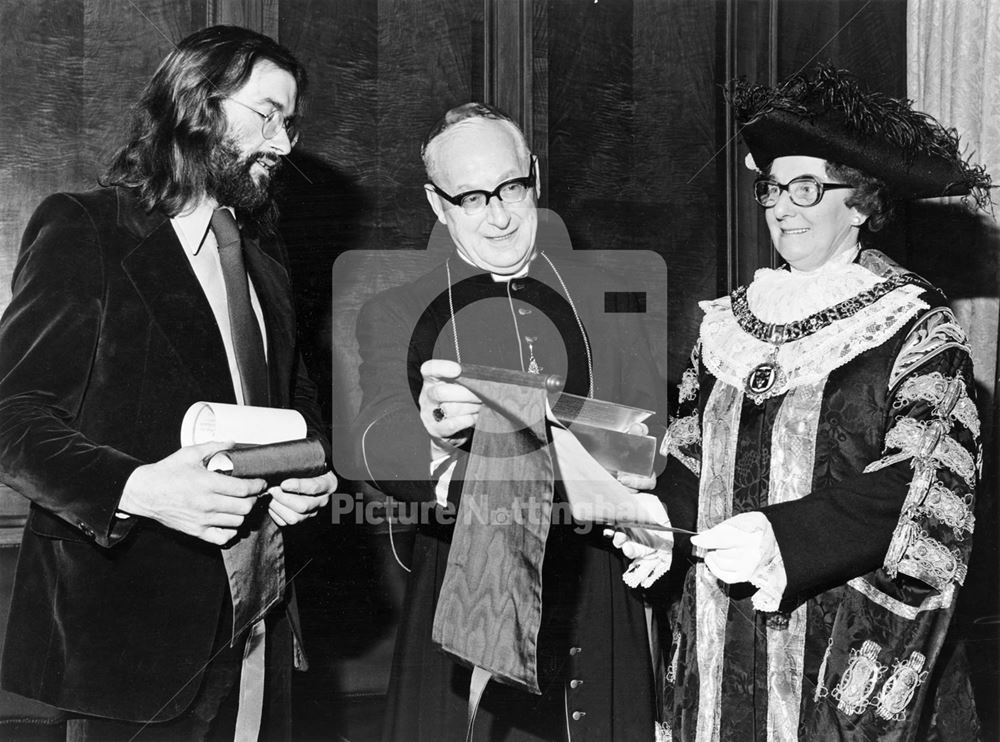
(738, 547)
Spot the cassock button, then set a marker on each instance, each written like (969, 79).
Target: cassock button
(575, 683)
(573, 651)
(577, 715)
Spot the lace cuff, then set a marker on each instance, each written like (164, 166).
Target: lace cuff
(770, 580)
(683, 433)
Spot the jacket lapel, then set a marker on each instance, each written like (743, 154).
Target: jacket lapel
(161, 274)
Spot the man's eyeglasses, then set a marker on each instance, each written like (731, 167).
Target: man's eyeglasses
(511, 191)
(274, 121)
(804, 190)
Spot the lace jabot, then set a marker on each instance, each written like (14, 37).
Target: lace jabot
(782, 297)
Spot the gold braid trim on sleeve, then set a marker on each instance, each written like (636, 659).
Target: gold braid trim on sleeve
(936, 331)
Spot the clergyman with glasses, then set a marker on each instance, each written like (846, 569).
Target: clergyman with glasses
(501, 298)
(827, 439)
(150, 599)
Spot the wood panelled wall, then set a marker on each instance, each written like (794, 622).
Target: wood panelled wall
(622, 101)
(68, 71)
(633, 114)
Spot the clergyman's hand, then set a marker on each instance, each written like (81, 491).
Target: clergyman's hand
(180, 493)
(650, 551)
(448, 410)
(636, 482)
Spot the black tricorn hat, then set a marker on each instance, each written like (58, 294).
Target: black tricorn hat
(831, 116)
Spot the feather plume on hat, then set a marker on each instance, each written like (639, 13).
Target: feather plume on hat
(831, 116)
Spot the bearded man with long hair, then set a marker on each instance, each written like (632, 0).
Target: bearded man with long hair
(165, 287)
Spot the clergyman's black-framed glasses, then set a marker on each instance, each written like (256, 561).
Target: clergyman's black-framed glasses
(511, 191)
(804, 190)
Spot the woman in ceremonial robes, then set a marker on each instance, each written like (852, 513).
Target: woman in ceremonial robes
(826, 443)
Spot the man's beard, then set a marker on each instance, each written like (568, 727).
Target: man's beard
(231, 183)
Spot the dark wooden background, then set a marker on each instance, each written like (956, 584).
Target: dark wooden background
(621, 100)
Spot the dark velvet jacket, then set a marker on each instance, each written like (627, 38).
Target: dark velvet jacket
(107, 341)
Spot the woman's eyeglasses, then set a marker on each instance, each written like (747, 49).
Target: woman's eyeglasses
(804, 190)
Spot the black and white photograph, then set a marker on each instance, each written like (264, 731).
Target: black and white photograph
(499, 370)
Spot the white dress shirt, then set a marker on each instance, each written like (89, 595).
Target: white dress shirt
(202, 251)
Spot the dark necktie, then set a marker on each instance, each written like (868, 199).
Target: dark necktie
(255, 563)
(247, 340)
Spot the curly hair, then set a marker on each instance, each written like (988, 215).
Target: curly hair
(871, 196)
(179, 121)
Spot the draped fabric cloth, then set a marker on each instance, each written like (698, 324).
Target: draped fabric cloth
(952, 68)
(490, 608)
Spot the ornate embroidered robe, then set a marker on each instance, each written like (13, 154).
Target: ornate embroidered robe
(864, 458)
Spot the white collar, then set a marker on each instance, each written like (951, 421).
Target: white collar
(498, 278)
(193, 224)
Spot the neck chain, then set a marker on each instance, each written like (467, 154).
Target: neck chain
(768, 379)
(533, 368)
(800, 328)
